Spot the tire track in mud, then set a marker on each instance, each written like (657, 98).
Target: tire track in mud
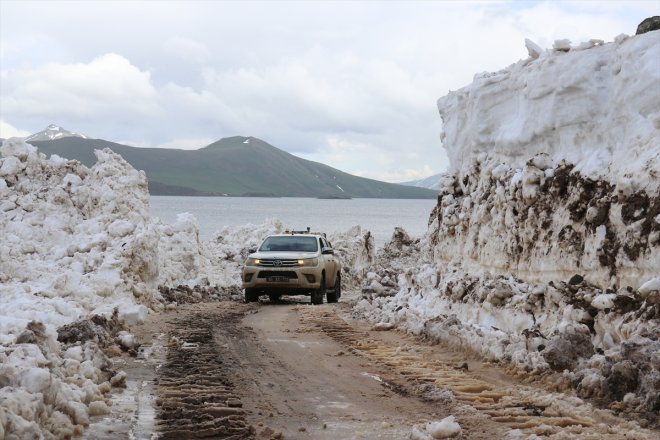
(195, 390)
(519, 407)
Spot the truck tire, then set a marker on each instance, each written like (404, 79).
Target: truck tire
(318, 294)
(251, 295)
(334, 295)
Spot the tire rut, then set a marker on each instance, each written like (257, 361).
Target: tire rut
(196, 397)
(517, 406)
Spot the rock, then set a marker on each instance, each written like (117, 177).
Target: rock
(234, 403)
(267, 433)
(575, 280)
(78, 331)
(431, 393)
(623, 379)
(563, 350)
(648, 25)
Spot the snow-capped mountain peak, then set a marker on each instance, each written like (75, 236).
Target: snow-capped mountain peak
(431, 182)
(53, 132)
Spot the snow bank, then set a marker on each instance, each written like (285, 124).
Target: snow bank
(356, 251)
(544, 248)
(77, 242)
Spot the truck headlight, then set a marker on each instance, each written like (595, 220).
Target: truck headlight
(252, 262)
(308, 262)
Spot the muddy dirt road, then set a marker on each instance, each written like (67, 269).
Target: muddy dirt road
(290, 370)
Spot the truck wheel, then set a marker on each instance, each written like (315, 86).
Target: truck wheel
(318, 294)
(251, 295)
(333, 296)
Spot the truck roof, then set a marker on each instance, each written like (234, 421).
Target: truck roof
(307, 232)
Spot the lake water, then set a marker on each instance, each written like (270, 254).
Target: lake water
(379, 216)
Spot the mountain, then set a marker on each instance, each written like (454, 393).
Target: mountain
(431, 182)
(234, 166)
(52, 132)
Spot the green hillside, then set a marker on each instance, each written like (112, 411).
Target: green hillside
(235, 168)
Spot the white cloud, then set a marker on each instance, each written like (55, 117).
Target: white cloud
(107, 86)
(7, 130)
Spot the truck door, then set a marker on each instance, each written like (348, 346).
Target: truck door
(330, 265)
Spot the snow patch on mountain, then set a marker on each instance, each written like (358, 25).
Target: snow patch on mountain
(431, 182)
(52, 132)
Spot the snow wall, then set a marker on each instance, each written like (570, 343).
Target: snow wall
(77, 244)
(543, 251)
(555, 166)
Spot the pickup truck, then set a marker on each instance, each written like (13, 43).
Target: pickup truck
(293, 263)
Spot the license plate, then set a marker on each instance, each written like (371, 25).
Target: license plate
(278, 279)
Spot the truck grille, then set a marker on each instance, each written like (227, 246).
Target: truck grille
(277, 273)
(277, 262)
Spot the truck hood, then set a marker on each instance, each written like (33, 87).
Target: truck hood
(284, 255)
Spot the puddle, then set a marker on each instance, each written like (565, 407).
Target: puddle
(291, 341)
(133, 412)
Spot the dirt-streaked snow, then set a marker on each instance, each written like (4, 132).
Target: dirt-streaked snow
(544, 248)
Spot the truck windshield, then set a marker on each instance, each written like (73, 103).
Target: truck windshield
(292, 243)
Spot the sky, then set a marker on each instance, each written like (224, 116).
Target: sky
(351, 84)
